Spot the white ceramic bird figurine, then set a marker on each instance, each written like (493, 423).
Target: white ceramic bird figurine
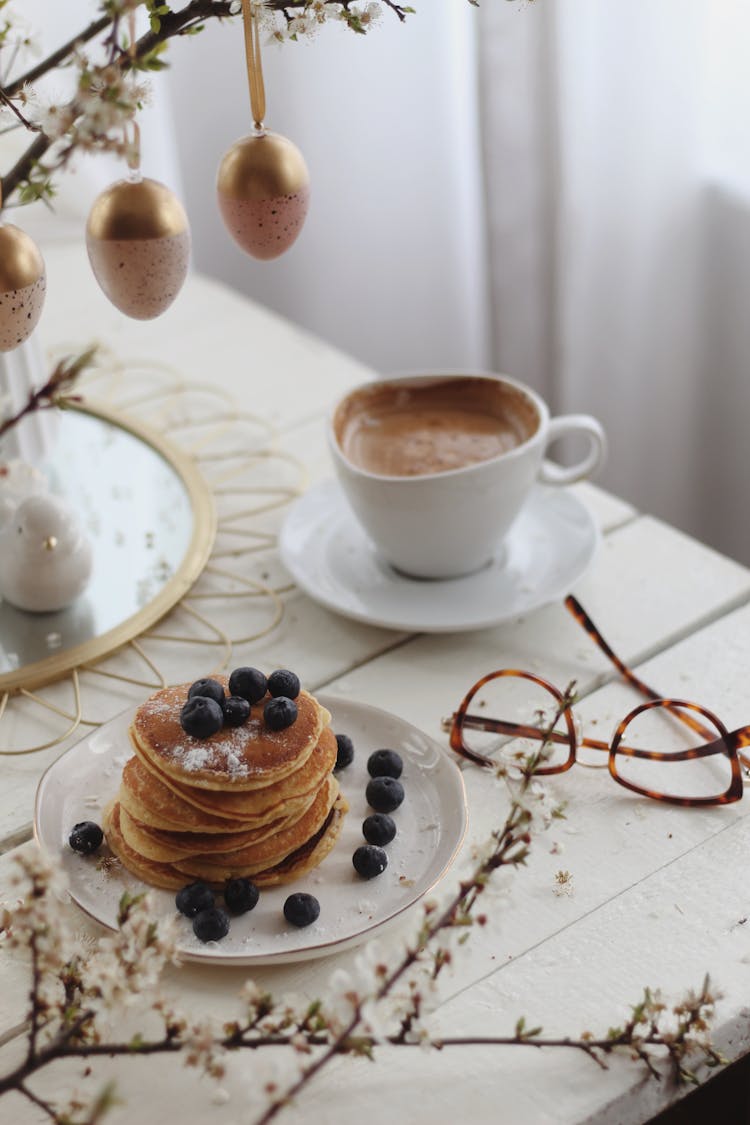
(45, 559)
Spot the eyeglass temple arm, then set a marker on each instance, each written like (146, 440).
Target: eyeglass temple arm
(574, 606)
(514, 730)
(726, 744)
(709, 749)
(519, 730)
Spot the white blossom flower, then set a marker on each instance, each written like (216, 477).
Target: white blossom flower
(36, 920)
(251, 994)
(128, 964)
(341, 1000)
(420, 1034)
(322, 11)
(302, 25)
(202, 1049)
(368, 13)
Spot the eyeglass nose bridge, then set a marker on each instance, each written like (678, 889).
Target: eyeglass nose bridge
(600, 756)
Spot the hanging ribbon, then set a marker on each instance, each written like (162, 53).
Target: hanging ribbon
(254, 64)
(134, 155)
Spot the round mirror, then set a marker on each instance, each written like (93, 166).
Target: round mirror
(150, 519)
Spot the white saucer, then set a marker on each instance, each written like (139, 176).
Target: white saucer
(331, 558)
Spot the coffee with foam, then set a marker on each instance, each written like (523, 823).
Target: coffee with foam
(432, 427)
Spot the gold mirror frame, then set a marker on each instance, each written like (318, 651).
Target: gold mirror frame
(203, 533)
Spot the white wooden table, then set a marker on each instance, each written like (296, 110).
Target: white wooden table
(658, 895)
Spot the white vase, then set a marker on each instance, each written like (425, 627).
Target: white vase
(23, 370)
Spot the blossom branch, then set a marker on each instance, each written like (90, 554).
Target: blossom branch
(145, 53)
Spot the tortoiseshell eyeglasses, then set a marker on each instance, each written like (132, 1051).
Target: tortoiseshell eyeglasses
(669, 749)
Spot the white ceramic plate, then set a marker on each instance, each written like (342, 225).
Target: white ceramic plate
(431, 825)
(550, 545)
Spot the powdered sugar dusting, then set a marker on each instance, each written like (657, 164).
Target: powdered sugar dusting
(225, 752)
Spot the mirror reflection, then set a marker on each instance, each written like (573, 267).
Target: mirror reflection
(136, 511)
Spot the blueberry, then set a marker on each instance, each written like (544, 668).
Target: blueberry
(86, 837)
(344, 751)
(201, 717)
(211, 924)
(369, 861)
(280, 713)
(385, 763)
(240, 895)
(384, 794)
(379, 829)
(193, 899)
(235, 710)
(284, 682)
(301, 909)
(212, 689)
(249, 683)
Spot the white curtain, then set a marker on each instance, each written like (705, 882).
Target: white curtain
(617, 148)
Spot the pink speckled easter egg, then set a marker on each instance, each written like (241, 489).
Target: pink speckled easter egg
(23, 284)
(138, 242)
(263, 188)
(141, 276)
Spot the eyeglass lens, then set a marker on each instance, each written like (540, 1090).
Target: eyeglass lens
(512, 711)
(677, 775)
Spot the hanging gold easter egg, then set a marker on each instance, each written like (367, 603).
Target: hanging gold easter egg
(23, 283)
(138, 239)
(263, 187)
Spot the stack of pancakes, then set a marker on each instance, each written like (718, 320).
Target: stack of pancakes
(245, 801)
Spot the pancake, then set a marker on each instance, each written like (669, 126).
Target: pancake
(169, 846)
(154, 804)
(293, 867)
(259, 856)
(292, 794)
(246, 757)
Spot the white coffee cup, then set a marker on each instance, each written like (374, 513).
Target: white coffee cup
(444, 522)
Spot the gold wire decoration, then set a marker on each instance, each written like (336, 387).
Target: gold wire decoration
(232, 599)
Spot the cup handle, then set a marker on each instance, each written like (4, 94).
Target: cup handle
(575, 424)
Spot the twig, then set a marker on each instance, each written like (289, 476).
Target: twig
(36, 1100)
(6, 100)
(59, 56)
(54, 391)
